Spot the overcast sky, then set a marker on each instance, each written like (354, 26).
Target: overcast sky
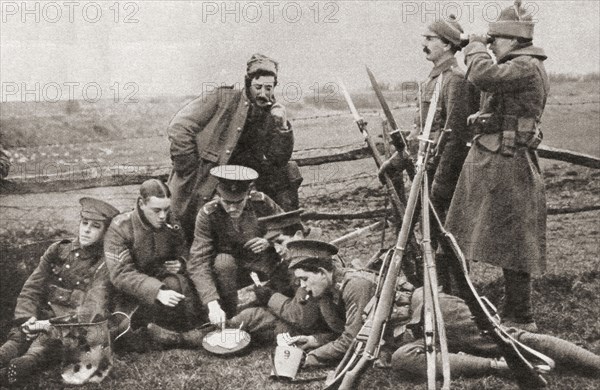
(181, 47)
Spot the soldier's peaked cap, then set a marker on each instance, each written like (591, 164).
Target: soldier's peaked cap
(234, 181)
(97, 210)
(302, 250)
(275, 223)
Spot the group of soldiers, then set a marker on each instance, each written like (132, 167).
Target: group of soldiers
(230, 208)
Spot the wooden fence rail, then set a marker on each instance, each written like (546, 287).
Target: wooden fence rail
(131, 175)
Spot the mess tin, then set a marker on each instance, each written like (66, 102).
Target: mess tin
(228, 341)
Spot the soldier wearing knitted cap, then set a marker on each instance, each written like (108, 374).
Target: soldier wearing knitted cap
(457, 99)
(239, 127)
(507, 181)
(228, 241)
(70, 279)
(146, 254)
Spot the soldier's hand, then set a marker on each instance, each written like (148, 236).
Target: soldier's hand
(169, 298)
(216, 315)
(279, 115)
(478, 38)
(311, 361)
(28, 327)
(305, 342)
(257, 244)
(172, 266)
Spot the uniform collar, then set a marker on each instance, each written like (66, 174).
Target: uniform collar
(90, 251)
(140, 220)
(525, 50)
(444, 66)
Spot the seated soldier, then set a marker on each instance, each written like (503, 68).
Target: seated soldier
(280, 229)
(339, 294)
(474, 354)
(228, 241)
(70, 280)
(146, 253)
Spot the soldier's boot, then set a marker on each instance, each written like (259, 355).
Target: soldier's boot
(172, 339)
(15, 346)
(193, 338)
(568, 356)
(20, 370)
(9, 350)
(164, 337)
(518, 311)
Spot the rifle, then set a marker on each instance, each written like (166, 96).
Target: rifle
(518, 356)
(362, 127)
(395, 135)
(368, 341)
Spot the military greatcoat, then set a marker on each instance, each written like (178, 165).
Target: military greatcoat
(136, 252)
(222, 127)
(498, 212)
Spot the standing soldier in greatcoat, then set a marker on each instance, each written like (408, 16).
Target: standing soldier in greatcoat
(70, 280)
(498, 212)
(458, 99)
(146, 255)
(229, 241)
(229, 126)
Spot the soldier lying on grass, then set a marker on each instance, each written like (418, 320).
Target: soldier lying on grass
(473, 354)
(70, 279)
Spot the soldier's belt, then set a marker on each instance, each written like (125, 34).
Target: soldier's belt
(504, 133)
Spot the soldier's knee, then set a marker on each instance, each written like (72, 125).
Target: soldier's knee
(225, 265)
(410, 358)
(171, 282)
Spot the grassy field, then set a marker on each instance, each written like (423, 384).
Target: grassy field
(108, 135)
